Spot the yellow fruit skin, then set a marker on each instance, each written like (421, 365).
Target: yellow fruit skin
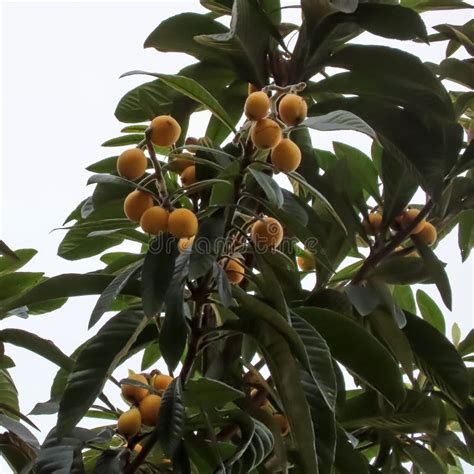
(132, 393)
(235, 271)
(265, 134)
(305, 263)
(373, 224)
(165, 130)
(182, 223)
(428, 234)
(408, 217)
(188, 176)
(149, 408)
(135, 204)
(267, 232)
(257, 105)
(185, 243)
(286, 156)
(161, 381)
(155, 220)
(131, 164)
(282, 422)
(129, 423)
(292, 109)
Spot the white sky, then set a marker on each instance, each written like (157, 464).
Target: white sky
(60, 63)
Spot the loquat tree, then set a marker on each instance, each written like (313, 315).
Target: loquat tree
(351, 373)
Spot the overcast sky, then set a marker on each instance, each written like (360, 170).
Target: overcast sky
(60, 68)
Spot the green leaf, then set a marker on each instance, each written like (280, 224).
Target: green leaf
(403, 296)
(171, 419)
(246, 45)
(430, 311)
(6, 251)
(269, 186)
(348, 459)
(339, 120)
(285, 373)
(425, 460)
(157, 271)
(466, 233)
(9, 264)
(391, 21)
(174, 331)
(36, 344)
(436, 269)
(418, 412)
(207, 244)
(208, 393)
(19, 430)
(112, 291)
(64, 286)
(16, 452)
(192, 89)
(95, 362)
(467, 345)
(112, 461)
(123, 140)
(8, 391)
(151, 355)
(13, 284)
(460, 71)
(176, 34)
(438, 358)
(364, 356)
(322, 370)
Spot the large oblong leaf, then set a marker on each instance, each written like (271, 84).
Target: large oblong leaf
(192, 89)
(359, 351)
(95, 362)
(157, 271)
(438, 358)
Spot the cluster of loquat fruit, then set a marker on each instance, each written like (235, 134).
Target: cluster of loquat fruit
(288, 110)
(145, 404)
(424, 230)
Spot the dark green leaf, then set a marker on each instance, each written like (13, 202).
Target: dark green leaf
(466, 233)
(95, 362)
(460, 71)
(349, 460)
(171, 419)
(365, 356)
(112, 461)
(339, 120)
(157, 271)
(438, 358)
(430, 311)
(111, 292)
(204, 392)
(123, 140)
(16, 283)
(424, 459)
(151, 355)
(467, 344)
(19, 430)
(6, 251)
(270, 187)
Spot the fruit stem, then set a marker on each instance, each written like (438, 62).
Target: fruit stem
(160, 180)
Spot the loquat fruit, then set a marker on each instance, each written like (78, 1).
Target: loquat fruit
(428, 234)
(132, 164)
(267, 232)
(257, 105)
(185, 243)
(182, 223)
(265, 133)
(188, 176)
(165, 130)
(305, 263)
(373, 224)
(150, 408)
(135, 204)
(408, 217)
(282, 422)
(132, 393)
(155, 220)
(292, 109)
(161, 381)
(235, 271)
(129, 423)
(286, 156)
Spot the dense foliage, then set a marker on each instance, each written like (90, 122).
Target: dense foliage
(258, 361)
